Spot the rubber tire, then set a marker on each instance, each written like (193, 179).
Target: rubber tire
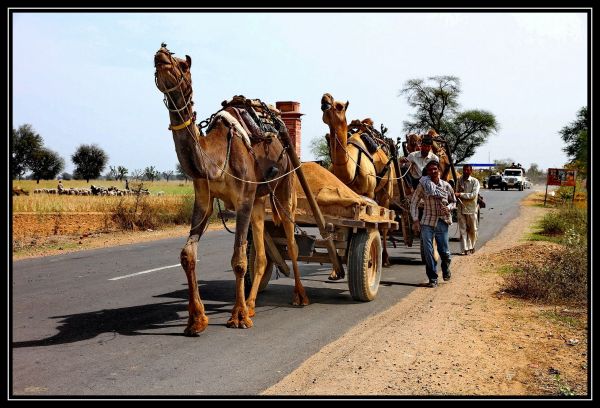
(249, 276)
(363, 243)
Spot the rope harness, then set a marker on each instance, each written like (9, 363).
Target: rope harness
(250, 129)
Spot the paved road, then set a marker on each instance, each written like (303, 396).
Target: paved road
(79, 331)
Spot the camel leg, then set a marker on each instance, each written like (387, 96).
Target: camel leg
(240, 317)
(197, 320)
(260, 262)
(300, 297)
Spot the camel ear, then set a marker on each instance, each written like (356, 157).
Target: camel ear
(188, 59)
(347, 103)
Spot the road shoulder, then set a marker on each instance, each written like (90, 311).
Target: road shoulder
(462, 338)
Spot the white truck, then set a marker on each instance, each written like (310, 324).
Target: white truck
(513, 178)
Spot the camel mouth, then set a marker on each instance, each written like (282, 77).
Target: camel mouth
(162, 60)
(325, 106)
(163, 65)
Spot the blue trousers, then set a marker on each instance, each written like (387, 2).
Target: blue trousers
(440, 234)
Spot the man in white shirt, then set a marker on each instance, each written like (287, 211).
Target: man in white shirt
(466, 195)
(419, 159)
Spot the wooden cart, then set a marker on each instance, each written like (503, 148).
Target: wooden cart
(354, 231)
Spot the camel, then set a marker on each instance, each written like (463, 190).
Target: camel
(371, 176)
(224, 164)
(413, 141)
(440, 152)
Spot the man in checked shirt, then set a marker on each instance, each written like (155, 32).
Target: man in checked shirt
(439, 201)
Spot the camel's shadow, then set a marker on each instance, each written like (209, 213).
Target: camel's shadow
(217, 296)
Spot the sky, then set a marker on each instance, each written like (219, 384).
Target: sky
(88, 78)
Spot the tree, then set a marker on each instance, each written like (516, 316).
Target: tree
(25, 141)
(502, 164)
(320, 149)
(575, 135)
(46, 164)
(137, 174)
(121, 172)
(112, 173)
(90, 161)
(437, 108)
(151, 173)
(180, 173)
(168, 174)
(534, 173)
(66, 176)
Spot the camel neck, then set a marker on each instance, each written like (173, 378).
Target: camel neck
(339, 143)
(200, 157)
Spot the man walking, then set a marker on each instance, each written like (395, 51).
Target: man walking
(439, 202)
(467, 192)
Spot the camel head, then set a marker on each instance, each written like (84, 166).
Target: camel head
(414, 141)
(334, 112)
(368, 121)
(173, 75)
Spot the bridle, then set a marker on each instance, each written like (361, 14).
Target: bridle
(168, 99)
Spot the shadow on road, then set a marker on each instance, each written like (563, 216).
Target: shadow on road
(218, 297)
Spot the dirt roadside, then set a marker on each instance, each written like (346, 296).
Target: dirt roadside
(464, 338)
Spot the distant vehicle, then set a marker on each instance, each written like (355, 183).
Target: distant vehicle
(527, 183)
(513, 178)
(494, 181)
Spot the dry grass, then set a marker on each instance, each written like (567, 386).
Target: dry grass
(45, 203)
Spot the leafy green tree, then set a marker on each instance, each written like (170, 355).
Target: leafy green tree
(25, 142)
(575, 135)
(150, 173)
(46, 164)
(121, 172)
(90, 161)
(320, 149)
(437, 108)
(66, 176)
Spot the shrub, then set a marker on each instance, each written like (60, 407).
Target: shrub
(563, 278)
(558, 222)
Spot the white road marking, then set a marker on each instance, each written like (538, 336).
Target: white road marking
(147, 271)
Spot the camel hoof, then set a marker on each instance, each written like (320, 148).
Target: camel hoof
(245, 323)
(194, 328)
(251, 312)
(300, 300)
(190, 333)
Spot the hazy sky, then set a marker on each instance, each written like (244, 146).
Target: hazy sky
(83, 78)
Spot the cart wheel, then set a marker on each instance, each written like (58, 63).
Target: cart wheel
(364, 265)
(249, 276)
